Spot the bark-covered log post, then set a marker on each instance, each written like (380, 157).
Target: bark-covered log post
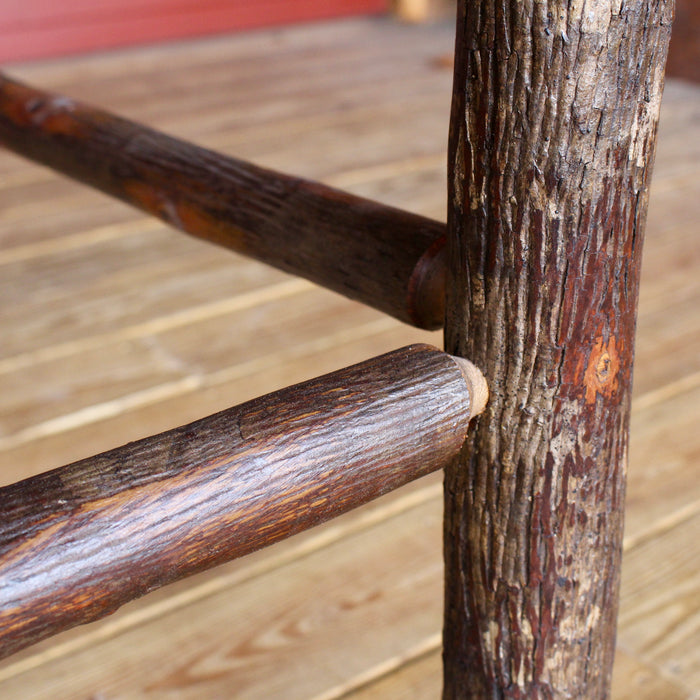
(552, 135)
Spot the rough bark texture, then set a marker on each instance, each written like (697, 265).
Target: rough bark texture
(376, 254)
(79, 541)
(553, 126)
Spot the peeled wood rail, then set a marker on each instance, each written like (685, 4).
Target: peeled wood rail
(80, 541)
(381, 256)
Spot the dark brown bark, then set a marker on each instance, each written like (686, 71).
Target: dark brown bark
(381, 256)
(552, 135)
(79, 541)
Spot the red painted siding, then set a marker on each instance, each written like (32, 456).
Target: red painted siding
(40, 28)
(684, 52)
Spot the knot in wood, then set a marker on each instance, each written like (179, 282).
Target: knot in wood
(602, 370)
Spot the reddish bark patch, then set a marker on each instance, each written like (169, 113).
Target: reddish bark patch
(601, 373)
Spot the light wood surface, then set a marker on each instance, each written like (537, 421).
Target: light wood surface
(114, 328)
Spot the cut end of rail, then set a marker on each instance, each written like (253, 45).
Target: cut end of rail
(426, 288)
(478, 388)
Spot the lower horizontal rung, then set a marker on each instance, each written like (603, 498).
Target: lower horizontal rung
(80, 541)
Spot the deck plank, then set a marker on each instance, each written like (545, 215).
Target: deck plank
(187, 402)
(422, 678)
(660, 621)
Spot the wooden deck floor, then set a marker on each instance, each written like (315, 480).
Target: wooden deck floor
(113, 327)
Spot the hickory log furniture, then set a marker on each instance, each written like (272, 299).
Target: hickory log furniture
(552, 132)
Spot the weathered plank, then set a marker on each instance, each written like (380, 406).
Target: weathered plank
(422, 678)
(664, 454)
(141, 415)
(660, 620)
(133, 280)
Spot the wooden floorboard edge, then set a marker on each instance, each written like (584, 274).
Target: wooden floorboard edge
(186, 385)
(162, 324)
(325, 537)
(362, 680)
(334, 118)
(102, 411)
(657, 670)
(81, 239)
(661, 526)
(387, 171)
(666, 392)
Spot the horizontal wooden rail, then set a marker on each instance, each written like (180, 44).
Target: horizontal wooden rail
(381, 256)
(79, 541)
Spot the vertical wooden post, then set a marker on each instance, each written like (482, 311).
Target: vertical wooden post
(553, 125)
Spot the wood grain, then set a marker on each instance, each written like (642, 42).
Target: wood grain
(552, 140)
(135, 286)
(78, 542)
(663, 483)
(661, 619)
(370, 252)
(422, 678)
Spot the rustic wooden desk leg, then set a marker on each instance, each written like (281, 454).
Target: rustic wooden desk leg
(552, 136)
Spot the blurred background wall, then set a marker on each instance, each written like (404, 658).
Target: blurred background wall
(43, 28)
(684, 53)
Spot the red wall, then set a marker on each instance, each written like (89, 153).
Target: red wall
(39, 28)
(684, 52)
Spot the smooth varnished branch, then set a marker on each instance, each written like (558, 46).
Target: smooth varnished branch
(80, 541)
